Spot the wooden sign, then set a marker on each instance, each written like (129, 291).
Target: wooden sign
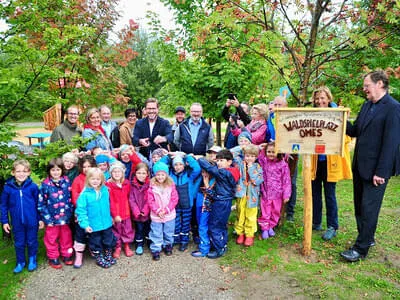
(310, 130)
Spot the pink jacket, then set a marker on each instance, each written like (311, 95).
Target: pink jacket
(162, 199)
(276, 173)
(257, 130)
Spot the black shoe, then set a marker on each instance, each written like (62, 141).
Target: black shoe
(168, 250)
(183, 247)
(156, 256)
(216, 254)
(352, 255)
(372, 243)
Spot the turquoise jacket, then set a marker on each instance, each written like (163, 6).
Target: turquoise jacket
(93, 209)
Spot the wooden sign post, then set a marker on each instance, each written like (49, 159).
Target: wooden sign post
(309, 131)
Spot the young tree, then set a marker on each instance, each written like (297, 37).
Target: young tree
(311, 35)
(59, 51)
(141, 75)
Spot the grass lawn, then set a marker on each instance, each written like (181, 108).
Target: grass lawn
(322, 275)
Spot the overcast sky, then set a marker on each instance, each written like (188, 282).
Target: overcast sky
(136, 10)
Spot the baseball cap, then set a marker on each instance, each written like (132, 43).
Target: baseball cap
(180, 108)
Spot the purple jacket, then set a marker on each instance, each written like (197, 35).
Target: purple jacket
(276, 173)
(138, 201)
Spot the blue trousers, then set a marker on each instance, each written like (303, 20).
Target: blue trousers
(182, 225)
(218, 224)
(367, 205)
(161, 235)
(330, 198)
(25, 236)
(202, 220)
(141, 232)
(102, 240)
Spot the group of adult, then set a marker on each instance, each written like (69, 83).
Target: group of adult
(376, 155)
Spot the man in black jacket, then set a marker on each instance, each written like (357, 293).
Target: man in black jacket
(242, 113)
(377, 130)
(152, 132)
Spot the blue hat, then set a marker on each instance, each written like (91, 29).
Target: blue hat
(177, 159)
(102, 158)
(245, 134)
(160, 167)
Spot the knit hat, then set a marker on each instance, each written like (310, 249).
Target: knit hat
(245, 134)
(160, 167)
(102, 158)
(159, 152)
(177, 159)
(122, 149)
(117, 165)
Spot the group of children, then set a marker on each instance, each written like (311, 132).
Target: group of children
(110, 200)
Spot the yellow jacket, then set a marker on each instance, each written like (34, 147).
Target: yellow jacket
(338, 167)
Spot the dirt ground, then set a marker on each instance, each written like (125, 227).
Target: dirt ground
(22, 133)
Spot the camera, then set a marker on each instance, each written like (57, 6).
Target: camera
(231, 96)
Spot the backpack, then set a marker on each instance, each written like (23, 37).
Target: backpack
(114, 137)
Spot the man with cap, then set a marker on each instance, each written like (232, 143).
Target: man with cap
(180, 114)
(194, 135)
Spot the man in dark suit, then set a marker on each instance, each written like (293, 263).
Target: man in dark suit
(152, 132)
(377, 130)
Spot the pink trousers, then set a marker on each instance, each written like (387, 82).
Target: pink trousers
(58, 239)
(270, 213)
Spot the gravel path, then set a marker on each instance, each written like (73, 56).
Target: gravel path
(179, 276)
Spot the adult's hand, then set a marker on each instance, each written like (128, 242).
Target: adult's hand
(159, 139)
(235, 102)
(376, 180)
(144, 142)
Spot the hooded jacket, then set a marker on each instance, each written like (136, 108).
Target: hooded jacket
(21, 202)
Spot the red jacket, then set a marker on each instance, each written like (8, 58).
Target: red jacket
(77, 187)
(119, 196)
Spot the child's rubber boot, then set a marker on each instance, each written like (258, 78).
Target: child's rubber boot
(79, 248)
(240, 239)
(32, 265)
(117, 252)
(127, 250)
(249, 241)
(139, 250)
(100, 260)
(108, 257)
(19, 267)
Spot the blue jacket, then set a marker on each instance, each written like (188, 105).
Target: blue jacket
(226, 180)
(100, 141)
(93, 209)
(55, 206)
(142, 130)
(250, 178)
(21, 202)
(183, 138)
(187, 182)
